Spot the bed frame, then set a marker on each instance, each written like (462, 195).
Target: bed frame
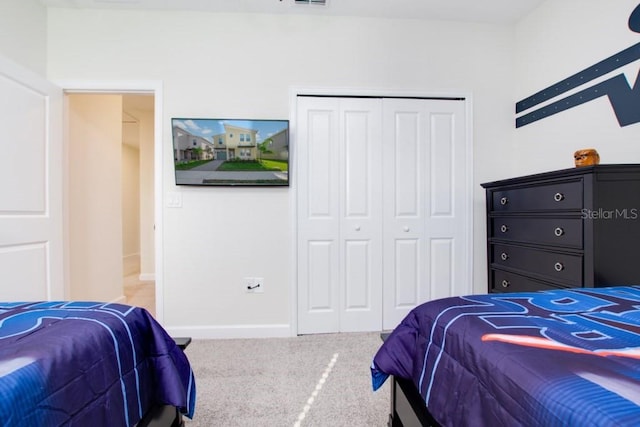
(162, 416)
(407, 406)
(166, 415)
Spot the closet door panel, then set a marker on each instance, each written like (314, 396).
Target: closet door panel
(425, 203)
(404, 145)
(361, 217)
(442, 164)
(407, 272)
(405, 135)
(320, 263)
(441, 267)
(318, 216)
(448, 223)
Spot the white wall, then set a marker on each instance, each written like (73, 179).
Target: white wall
(130, 205)
(137, 189)
(557, 40)
(94, 197)
(147, 239)
(23, 33)
(243, 66)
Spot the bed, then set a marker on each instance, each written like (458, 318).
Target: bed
(88, 363)
(546, 358)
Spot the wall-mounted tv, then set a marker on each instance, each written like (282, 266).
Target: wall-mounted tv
(231, 152)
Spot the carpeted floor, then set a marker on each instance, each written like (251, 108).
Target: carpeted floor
(313, 380)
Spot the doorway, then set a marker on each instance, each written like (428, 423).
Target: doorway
(111, 193)
(137, 201)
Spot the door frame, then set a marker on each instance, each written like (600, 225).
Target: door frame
(339, 92)
(131, 87)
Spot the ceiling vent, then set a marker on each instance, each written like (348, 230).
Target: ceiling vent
(320, 2)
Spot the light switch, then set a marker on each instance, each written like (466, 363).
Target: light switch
(174, 200)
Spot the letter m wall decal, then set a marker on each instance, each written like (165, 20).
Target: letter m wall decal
(624, 99)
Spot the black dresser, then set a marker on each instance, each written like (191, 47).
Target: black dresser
(577, 227)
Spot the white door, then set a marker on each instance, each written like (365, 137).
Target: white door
(339, 215)
(383, 209)
(31, 248)
(426, 204)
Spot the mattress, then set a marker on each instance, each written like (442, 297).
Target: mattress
(87, 363)
(548, 358)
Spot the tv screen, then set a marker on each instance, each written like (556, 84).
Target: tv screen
(231, 152)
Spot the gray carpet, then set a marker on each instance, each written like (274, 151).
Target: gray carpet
(313, 380)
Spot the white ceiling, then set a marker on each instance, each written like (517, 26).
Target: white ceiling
(487, 11)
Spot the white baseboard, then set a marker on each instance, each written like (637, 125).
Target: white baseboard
(144, 277)
(130, 264)
(231, 331)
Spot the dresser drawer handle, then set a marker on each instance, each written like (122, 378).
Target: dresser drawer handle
(504, 201)
(558, 231)
(505, 283)
(558, 266)
(504, 256)
(558, 197)
(504, 228)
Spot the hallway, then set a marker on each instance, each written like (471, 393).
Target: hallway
(140, 293)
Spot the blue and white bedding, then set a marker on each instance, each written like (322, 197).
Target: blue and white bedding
(87, 364)
(564, 357)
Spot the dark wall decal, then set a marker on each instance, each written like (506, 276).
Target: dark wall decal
(624, 99)
(634, 20)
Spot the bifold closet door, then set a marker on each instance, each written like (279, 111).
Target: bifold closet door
(426, 197)
(339, 198)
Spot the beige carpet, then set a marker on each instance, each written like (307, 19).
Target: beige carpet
(314, 380)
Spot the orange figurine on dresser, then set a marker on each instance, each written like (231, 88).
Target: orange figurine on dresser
(586, 157)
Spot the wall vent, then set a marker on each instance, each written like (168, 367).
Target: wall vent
(320, 2)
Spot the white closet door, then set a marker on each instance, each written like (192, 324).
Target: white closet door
(339, 215)
(31, 248)
(360, 215)
(426, 211)
(318, 215)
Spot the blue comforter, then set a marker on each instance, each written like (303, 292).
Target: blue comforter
(87, 364)
(565, 357)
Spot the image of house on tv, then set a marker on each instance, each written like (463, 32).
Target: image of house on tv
(235, 143)
(276, 147)
(189, 147)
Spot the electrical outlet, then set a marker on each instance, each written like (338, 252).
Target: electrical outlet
(258, 285)
(253, 285)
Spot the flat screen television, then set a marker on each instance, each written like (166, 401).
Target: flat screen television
(219, 152)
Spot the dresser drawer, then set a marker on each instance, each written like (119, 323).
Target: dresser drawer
(561, 195)
(565, 232)
(503, 281)
(549, 265)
